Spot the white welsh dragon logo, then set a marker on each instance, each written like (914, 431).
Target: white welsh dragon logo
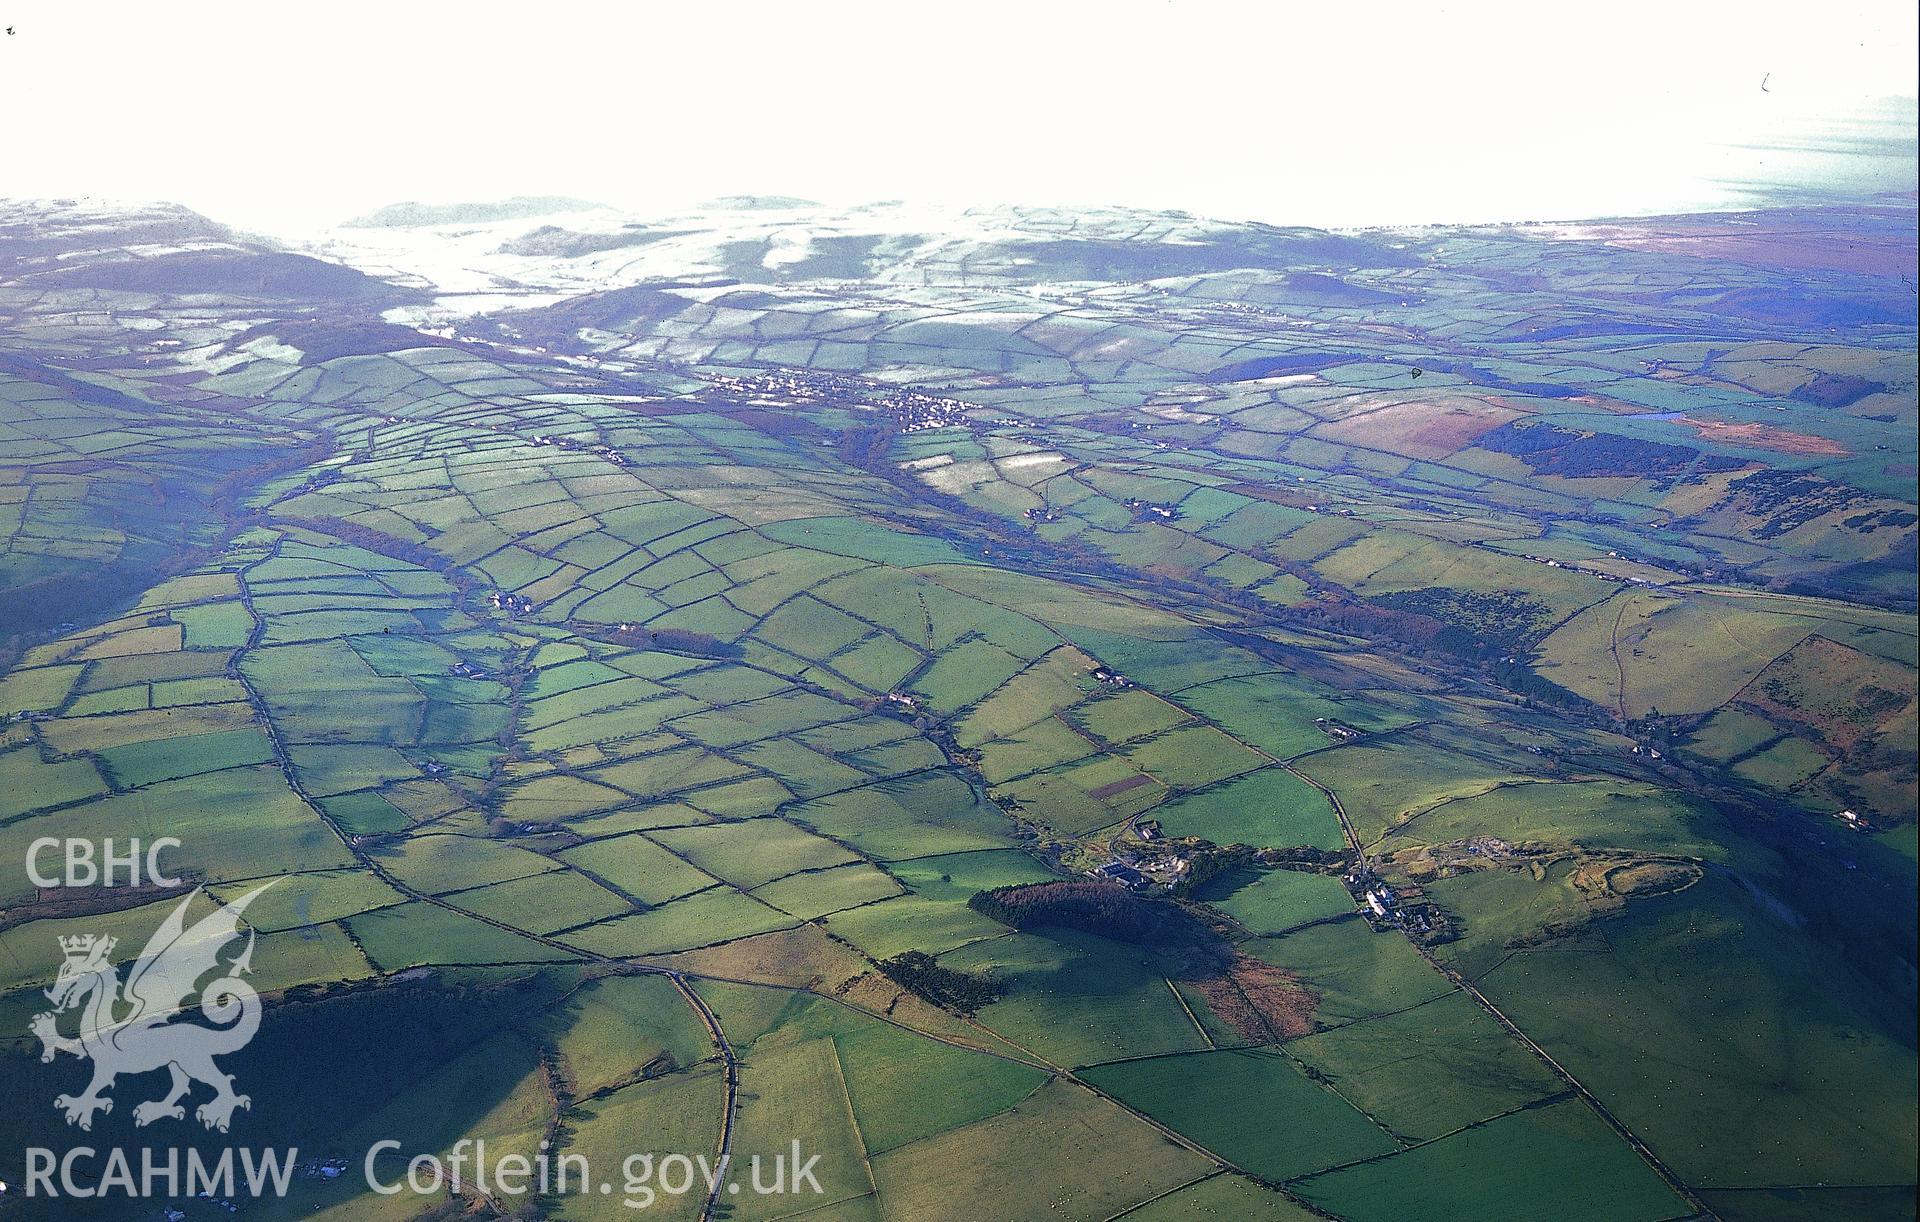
(142, 1026)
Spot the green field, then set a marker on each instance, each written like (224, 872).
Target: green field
(1060, 1150)
(1553, 1160)
(1270, 808)
(1429, 1070)
(1278, 900)
(1078, 999)
(1252, 1107)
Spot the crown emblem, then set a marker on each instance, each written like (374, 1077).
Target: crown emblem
(80, 944)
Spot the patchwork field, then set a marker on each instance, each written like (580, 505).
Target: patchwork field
(1098, 715)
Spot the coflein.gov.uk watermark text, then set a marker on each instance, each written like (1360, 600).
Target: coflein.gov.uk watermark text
(642, 1180)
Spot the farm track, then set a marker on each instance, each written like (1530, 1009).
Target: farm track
(1560, 1071)
(1512, 1028)
(1619, 662)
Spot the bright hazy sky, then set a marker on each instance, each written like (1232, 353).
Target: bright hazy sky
(283, 117)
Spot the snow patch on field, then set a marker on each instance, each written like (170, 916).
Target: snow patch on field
(1017, 461)
(958, 477)
(1176, 415)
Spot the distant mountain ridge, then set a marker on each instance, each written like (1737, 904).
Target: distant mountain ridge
(168, 249)
(411, 214)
